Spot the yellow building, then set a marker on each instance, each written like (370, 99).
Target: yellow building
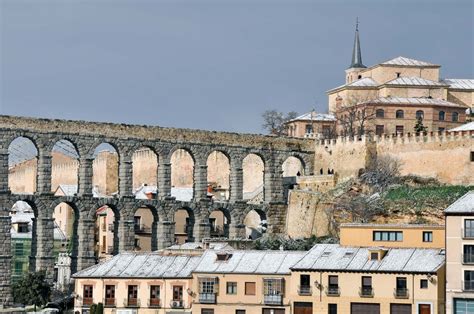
(460, 255)
(392, 235)
(334, 279)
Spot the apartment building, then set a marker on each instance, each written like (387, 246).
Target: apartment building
(460, 255)
(334, 279)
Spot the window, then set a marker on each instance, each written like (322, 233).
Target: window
(154, 295)
(427, 236)
(455, 117)
(469, 228)
(250, 288)
(22, 227)
(332, 308)
(132, 294)
(398, 74)
(441, 115)
(333, 286)
(472, 156)
(109, 295)
(380, 113)
(177, 293)
(327, 131)
(374, 256)
(401, 282)
(19, 248)
(137, 222)
(18, 267)
(273, 286)
(379, 130)
(207, 285)
(468, 280)
(399, 114)
(388, 236)
(359, 76)
(366, 281)
(420, 114)
(399, 129)
(309, 129)
(441, 130)
(207, 311)
(231, 287)
(423, 283)
(468, 254)
(87, 293)
(366, 289)
(239, 311)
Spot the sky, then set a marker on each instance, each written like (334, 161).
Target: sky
(203, 64)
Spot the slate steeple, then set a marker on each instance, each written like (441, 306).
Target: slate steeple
(356, 61)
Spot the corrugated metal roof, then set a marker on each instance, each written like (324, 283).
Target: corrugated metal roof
(413, 80)
(463, 205)
(403, 260)
(459, 83)
(413, 101)
(250, 262)
(142, 265)
(312, 116)
(407, 62)
(404, 226)
(465, 127)
(200, 246)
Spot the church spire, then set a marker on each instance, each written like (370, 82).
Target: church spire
(356, 54)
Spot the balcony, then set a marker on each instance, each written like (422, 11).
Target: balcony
(87, 301)
(467, 234)
(304, 290)
(177, 304)
(131, 302)
(401, 293)
(110, 302)
(366, 292)
(468, 285)
(154, 302)
(273, 299)
(208, 298)
(142, 229)
(111, 227)
(333, 291)
(467, 259)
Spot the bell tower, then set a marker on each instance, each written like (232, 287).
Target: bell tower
(352, 73)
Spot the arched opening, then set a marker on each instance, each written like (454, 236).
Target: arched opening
(182, 175)
(64, 168)
(292, 167)
(253, 177)
(420, 114)
(184, 224)
(145, 171)
(22, 166)
(145, 223)
(441, 115)
(255, 224)
(218, 174)
(399, 114)
(105, 171)
(106, 232)
(66, 219)
(219, 221)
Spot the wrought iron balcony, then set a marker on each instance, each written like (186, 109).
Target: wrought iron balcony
(401, 293)
(154, 302)
(273, 299)
(366, 292)
(131, 302)
(209, 298)
(304, 290)
(333, 291)
(110, 302)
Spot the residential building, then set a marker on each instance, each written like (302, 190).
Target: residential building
(392, 235)
(460, 255)
(334, 279)
(312, 125)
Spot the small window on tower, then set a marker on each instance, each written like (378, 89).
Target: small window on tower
(359, 77)
(398, 74)
(472, 156)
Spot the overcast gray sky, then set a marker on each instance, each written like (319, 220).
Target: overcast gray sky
(209, 64)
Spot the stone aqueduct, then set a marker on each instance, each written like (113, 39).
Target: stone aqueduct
(126, 139)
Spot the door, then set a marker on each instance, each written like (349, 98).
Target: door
(365, 308)
(400, 308)
(303, 308)
(273, 311)
(424, 308)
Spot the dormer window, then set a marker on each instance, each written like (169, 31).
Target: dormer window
(23, 227)
(374, 256)
(223, 256)
(398, 74)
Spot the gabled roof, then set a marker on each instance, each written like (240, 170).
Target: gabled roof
(403, 61)
(465, 127)
(459, 83)
(312, 116)
(413, 80)
(399, 260)
(463, 205)
(413, 101)
(363, 82)
(67, 189)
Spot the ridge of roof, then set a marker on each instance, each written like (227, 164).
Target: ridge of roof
(414, 80)
(404, 61)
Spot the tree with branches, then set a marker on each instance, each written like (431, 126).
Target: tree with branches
(354, 116)
(274, 121)
(32, 289)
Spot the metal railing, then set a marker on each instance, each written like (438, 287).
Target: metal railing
(304, 290)
(110, 302)
(177, 304)
(401, 293)
(154, 302)
(468, 285)
(467, 258)
(273, 299)
(87, 301)
(467, 233)
(366, 292)
(142, 229)
(131, 302)
(209, 298)
(333, 291)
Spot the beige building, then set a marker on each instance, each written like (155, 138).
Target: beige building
(460, 255)
(392, 235)
(312, 125)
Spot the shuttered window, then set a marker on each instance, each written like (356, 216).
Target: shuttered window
(250, 288)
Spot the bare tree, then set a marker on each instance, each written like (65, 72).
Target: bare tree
(354, 115)
(382, 172)
(274, 121)
(362, 208)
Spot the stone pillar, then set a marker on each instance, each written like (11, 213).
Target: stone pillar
(45, 243)
(85, 176)
(125, 176)
(236, 180)
(237, 231)
(154, 235)
(273, 182)
(86, 247)
(164, 178)
(200, 180)
(5, 258)
(165, 234)
(44, 173)
(126, 236)
(202, 229)
(4, 170)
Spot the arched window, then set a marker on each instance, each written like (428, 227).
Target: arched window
(420, 114)
(380, 113)
(455, 117)
(441, 115)
(399, 114)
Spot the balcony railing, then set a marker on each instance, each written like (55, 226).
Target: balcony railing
(467, 233)
(333, 291)
(209, 298)
(154, 302)
(468, 285)
(273, 299)
(111, 227)
(177, 304)
(366, 292)
(401, 293)
(131, 302)
(142, 229)
(304, 290)
(110, 302)
(467, 258)
(87, 301)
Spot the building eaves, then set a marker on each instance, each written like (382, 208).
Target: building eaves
(414, 81)
(464, 205)
(464, 84)
(415, 101)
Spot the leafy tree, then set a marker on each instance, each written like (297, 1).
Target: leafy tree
(419, 127)
(274, 121)
(32, 288)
